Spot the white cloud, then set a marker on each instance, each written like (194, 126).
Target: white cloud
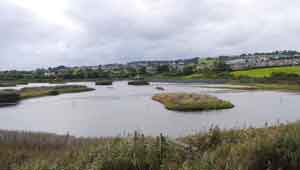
(53, 11)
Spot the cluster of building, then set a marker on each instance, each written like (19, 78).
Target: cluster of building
(152, 66)
(238, 62)
(149, 66)
(243, 62)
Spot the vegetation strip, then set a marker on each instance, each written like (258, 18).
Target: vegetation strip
(30, 92)
(191, 102)
(275, 147)
(257, 86)
(8, 97)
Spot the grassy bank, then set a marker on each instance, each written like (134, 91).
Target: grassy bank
(30, 92)
(191, 102)
(280, 87)
(257, 86)
(271, 148)
(12, 97)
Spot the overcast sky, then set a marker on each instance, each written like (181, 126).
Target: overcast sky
(42, 33)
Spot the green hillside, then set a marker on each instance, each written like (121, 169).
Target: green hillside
(266, 72)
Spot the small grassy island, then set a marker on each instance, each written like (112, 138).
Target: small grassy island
(104, 82)
(12, 97)
(139, 83)
(191, 102)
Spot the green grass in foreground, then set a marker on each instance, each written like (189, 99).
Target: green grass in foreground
(191, 102)
(266, 72)
(30, 92)
(270, 148)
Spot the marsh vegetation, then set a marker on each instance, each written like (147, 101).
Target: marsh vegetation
(275, 147)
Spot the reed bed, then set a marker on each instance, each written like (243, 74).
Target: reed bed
(269, 148)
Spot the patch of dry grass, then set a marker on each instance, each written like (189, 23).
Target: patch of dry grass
(30, 92)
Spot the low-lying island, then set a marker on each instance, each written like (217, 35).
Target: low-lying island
(191, 102)
(11, 97)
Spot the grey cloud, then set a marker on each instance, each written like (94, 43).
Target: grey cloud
(126, 30)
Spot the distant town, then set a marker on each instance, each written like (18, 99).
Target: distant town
(174, 67)
(258, 60)
(235, 62)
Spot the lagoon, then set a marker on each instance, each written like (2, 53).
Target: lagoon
(121, 109)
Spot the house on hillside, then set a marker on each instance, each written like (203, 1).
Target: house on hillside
(259, 61)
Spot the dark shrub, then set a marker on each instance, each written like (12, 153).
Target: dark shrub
(284, 76)
(104, 82)
(53, 93)
(7, 84)
(138, 83)
(9, 96)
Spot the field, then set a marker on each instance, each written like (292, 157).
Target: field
(266, 72)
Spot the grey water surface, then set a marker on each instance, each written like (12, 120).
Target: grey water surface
(121, 109)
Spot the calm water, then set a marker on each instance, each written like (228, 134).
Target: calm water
(121, 109)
